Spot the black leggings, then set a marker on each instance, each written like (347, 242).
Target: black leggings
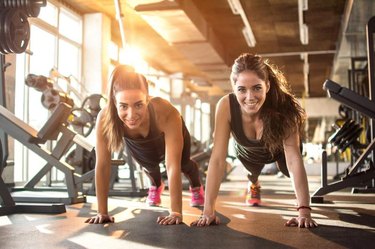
(190, 170)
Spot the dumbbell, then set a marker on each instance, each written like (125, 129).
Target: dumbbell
(350, 138)
(38, 82)
(342, 131)
(51, 98)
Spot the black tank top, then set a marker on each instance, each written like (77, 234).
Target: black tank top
(251, 150)
(151, 149)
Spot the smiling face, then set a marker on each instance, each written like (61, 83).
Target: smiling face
(250, 91)
(131, 107)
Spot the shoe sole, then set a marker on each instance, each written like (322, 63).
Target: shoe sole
(253, 204)
(153, 204)
(196, 205)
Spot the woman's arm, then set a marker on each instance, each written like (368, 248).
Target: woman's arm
(169, 121)
(102, 174)
(299, 180)
(217, 162)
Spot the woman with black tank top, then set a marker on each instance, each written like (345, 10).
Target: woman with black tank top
(153, 131)
(266, 122)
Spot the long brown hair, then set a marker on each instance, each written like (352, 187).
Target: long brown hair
(122, 78)
(281, 113)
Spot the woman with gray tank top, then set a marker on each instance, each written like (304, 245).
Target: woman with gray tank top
(267, 123)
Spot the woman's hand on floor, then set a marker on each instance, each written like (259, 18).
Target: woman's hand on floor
(173, 218)
(100, 218)
(206, 220)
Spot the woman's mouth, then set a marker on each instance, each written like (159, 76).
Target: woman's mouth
(131, 122)
(250, 104)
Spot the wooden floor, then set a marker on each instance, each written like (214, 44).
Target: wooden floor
(346, 221)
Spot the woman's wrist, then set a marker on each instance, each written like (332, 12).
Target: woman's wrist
(176, 214)
(302, 207)
(304, 211)
(208, 212)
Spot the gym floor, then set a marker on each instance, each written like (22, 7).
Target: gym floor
(346, 221)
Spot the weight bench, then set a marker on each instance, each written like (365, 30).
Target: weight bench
(8, 205)
(353, 178)
(32, 139)
(128, 191)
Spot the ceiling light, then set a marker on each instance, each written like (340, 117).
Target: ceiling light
(234, 6)
(303, 29)
(237, 9)
(119, 17)
(249, 37)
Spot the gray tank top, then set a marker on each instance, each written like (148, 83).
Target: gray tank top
(251, 150)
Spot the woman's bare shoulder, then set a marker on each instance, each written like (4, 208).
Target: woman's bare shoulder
(161, 105)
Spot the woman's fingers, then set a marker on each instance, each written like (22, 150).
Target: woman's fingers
(169, 220)
(302, 222)
(205, 220)
(99, 219)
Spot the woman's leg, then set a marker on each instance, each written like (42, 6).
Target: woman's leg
(253, 196)
(153, 173)
(157, 186)
(253, 170)
(191, 171)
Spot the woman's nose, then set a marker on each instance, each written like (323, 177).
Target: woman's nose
(249, 94)
(130, 112)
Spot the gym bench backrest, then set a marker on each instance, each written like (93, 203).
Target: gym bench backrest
(350, 98)
(18, 128)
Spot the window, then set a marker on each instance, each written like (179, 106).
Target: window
(70, 25)
(55, 42)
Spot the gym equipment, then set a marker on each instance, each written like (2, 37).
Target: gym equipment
(83, 119)
(11, 125)
(135, 189)
(31, 7)
(54, 129)
(346, 135)
(354, 176)
(50, 96)
(92, 104)
(14, 38)
(14, 26)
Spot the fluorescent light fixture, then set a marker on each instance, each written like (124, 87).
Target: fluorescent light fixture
(234, 6)
(119, 17)
(306, 71)
(249, 37)
(237, 9)
(303, 29)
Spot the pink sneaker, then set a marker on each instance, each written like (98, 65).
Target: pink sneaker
(197, 196)
(154, 193)
(253, 195)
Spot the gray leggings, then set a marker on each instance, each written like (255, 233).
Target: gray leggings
(255, 169)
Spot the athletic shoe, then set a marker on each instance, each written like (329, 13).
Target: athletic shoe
(253, 195)
(154, 193)
(197, 196)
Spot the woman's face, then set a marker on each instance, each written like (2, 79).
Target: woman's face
(250, 91)
(131, 107)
